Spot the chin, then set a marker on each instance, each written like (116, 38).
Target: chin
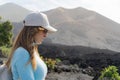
(40, 42)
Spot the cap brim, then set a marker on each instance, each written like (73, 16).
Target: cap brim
(50, 29)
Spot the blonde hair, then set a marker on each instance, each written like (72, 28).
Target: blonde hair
(25, 40)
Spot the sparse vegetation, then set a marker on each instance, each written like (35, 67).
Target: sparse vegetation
(51, 62)
(0, 17)
(5, 33)
(5, 50)
(5, 37)
(110, 73)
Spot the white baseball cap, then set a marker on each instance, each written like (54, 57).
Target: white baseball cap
(38, 19)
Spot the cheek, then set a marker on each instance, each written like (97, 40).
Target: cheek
(38, 36)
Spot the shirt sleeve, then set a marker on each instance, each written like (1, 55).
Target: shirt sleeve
(24, 69)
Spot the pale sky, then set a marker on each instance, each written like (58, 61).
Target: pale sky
(108, 8)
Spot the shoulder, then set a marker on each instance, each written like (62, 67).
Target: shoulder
(21, 52)
(21, 49)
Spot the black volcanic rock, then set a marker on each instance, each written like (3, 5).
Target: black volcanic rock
(84, 57)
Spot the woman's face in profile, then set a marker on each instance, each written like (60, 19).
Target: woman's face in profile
(39, 37)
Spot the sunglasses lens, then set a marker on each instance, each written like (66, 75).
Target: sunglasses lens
(45, 31)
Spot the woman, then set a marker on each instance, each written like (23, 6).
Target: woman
(24, 60)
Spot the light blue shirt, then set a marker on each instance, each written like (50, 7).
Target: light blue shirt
(23, 71)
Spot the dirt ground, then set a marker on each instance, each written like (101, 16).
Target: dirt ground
(68, 76)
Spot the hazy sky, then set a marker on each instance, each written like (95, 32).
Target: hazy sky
(108, 8)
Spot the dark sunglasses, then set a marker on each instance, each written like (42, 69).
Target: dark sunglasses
(43, 29)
